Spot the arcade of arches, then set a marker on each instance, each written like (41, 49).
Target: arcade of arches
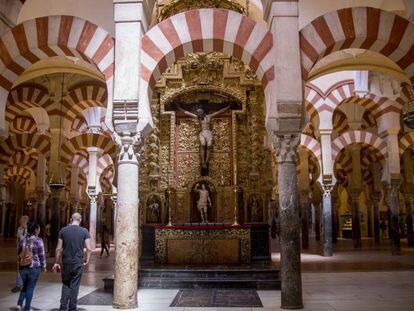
(296, 118)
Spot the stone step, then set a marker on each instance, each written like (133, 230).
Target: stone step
(220, 277)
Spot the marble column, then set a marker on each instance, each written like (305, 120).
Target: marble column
(41, 194)
(335, 214)
(327, 220)
(394, 187)
(93, 190)
(304, 203)
(41, 208)
(291, 295)
(356, 217)
(2, 203)
(409, 211)
(126, 229)
(55, 221)
(375, 199)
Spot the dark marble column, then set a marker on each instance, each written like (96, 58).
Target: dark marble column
(55, 221)
(304, 202)
(327, 220)
(394, 187)
(409, 212)
(356, 217)
(335, 214)
(317, 224)
(368, 203)
(375, 199)
(291, 287)
(41, 210)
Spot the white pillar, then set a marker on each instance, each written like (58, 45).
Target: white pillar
(130, 25)
(126, 230)
(93, 190)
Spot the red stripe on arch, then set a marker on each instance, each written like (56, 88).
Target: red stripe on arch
(194, 27)
(219, 29)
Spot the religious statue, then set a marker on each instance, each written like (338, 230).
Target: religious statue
(205, 136)
(203, 201)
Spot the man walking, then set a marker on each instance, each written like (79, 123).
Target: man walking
(72, 240)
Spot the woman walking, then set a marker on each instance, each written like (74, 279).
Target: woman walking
(31, 260)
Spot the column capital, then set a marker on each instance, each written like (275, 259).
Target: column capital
(285, 145)
(327, 190)
(94, 150)
(129, 148)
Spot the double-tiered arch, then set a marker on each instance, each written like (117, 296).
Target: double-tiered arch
(203, 30)
(44, 37)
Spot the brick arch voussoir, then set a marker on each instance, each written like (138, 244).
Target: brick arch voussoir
(358, 27)
(359, 137)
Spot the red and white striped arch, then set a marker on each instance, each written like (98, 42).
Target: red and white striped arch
(313, 146)
(204, 30)
(23, 141)
(23, 124)
(81, 142)
(17, 171)
(406, 142)
(359, 137)
(83, 97)
(24, 97)
(358, 27)
(22, 159)
(50, 36)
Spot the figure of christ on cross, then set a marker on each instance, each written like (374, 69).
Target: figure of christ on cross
(205, 136)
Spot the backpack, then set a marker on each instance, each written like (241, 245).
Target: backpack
(25, 256)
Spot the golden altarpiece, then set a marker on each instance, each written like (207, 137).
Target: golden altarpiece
(239, 174)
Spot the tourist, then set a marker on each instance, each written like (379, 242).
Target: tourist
(48, 233)
(21, 233)
(72, 240)
(383, 227)
(31, 260)
(104, 241)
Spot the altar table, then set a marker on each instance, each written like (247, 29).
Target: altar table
(202, 244)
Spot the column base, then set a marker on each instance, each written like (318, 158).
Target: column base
(123, 306)
(292, 307)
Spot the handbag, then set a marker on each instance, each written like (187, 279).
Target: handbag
(25, 256)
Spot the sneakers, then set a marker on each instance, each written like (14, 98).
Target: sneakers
(15, 289)
(18, 308)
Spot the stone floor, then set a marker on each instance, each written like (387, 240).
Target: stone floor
(369, 279)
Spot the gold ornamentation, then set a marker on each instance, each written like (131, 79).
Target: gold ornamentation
(177, 6)
(163, 235)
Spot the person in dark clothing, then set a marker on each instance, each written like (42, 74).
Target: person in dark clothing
(104, 241)
(72, 240)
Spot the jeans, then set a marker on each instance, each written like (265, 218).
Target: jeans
(19, 282)
(29, 277)
(71, 277)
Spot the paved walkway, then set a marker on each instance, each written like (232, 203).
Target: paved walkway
(367, 280)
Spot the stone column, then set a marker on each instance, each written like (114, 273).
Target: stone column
(304, 203)
(41, 191)
(327, 220)
(335, 214)
(317, 210)
(304, 190)
(375, 199)
(356, 216)
(409, 211)
(355, 181)
(55, 221)
(2, 199)
(368, 203)
(408, 187)
(130, 24)
(93, 190)
(74, 189)
(126, 229)
(285, 146)
(393, 188)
